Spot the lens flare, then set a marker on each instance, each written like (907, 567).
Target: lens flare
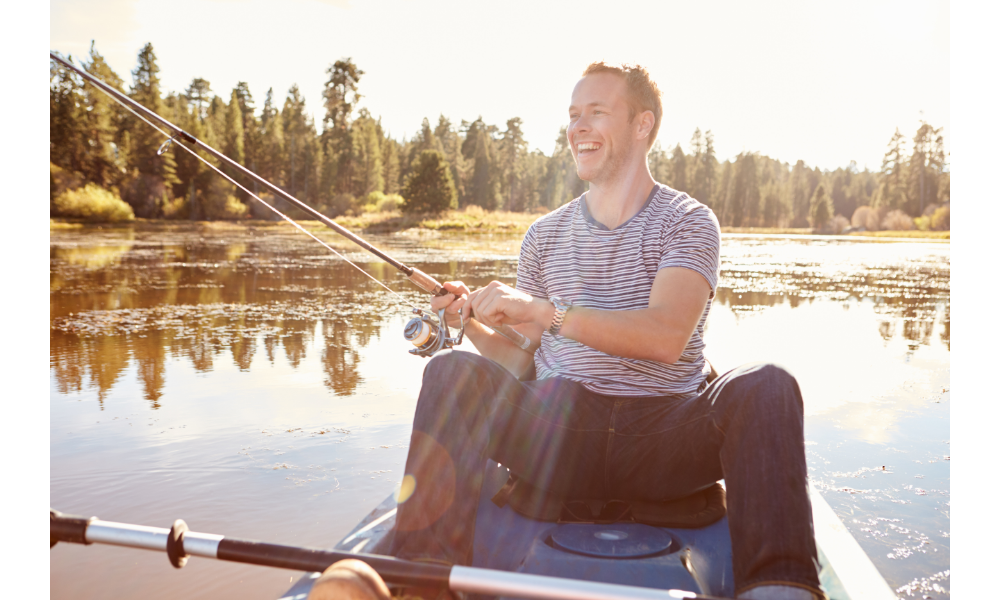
(406, 489)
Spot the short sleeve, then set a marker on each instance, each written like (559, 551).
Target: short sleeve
(693, 242)
(529, 268)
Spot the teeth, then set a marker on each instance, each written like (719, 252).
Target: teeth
(587, 146)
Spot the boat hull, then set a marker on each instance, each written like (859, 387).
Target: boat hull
(697, 560)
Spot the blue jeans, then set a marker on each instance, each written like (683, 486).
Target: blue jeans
(746, 426)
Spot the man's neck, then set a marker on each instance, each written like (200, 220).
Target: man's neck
(614, 202)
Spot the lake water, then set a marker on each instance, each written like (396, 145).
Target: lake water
(251, 383)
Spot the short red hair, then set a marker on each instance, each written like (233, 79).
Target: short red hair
(643, 93)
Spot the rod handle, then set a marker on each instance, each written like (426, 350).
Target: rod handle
(426, 282)
(520, 340)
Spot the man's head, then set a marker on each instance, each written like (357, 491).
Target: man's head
(615, 113)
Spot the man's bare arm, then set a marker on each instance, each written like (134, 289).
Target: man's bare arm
(659, 332)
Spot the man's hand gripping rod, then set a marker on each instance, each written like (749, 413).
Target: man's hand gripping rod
(429, 337)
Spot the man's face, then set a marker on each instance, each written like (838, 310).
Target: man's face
(599, 133)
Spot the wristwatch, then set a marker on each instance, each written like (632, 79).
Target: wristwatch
(557, 318)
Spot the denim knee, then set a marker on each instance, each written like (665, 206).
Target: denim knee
(446, 362)
(761, 388)
(778, 386)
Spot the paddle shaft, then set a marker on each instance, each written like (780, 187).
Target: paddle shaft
(179, 543)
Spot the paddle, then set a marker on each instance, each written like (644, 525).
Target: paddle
(179, 543)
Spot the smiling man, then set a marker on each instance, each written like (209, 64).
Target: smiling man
(611, 399)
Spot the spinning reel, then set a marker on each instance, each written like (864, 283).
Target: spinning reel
(429, 336)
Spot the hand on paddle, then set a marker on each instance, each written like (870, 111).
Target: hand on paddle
(349, 579)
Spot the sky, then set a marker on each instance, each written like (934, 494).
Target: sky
(825, 82)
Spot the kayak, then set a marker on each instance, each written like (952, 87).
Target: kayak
(697, 560)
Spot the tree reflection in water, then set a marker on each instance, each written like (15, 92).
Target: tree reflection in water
(147, 295)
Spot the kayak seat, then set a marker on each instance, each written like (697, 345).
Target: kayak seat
(702, 508)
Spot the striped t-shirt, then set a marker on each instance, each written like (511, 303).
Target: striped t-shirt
(567, 253)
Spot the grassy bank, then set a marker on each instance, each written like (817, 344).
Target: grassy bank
(472, 220)
(913, 233)
(769, 230)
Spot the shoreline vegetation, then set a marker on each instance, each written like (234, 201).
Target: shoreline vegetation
(472, 220)
(106, 166)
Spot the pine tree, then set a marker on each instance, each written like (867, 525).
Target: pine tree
(840, 185)
(368, 155)
(189, 168)
(820, 208)
(511, 150)
(272, 151)
(938, 163)
(340, 98)
(924, 169)
(725, 190)
(67, 133)
(199, 94)
(425, 140)
(297, 145)
(429, 187)
(483, 187)
(770, 204)
(704, 166)
(891, 193)
(252, 132)
(152, 174)
(799, 193)
(678, 170)
(390, 165)
(233, 146)
(451, 145)
(103, 120)
(743, 197)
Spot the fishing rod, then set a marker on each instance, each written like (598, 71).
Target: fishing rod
(180, 543)
(422, 331)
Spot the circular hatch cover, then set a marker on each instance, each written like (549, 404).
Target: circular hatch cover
(617, 540)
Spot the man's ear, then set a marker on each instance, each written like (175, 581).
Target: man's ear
(646, 122)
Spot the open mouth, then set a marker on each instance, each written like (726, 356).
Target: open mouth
(586, 148)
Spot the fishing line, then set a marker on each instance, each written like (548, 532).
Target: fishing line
(171, 138)
(427, 336)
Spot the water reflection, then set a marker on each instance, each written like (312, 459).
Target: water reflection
(148, 294)
(205, 346)
(908, 283)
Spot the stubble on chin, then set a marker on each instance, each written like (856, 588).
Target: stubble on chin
(606, 173)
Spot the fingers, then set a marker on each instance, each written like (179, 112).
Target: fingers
(439, 302)
(457, 289)
(488, 302)
(349, 579)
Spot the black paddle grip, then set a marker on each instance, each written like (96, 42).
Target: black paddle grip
(67, 528)
(392, 570)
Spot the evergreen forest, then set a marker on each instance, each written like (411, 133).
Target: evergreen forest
(104, 163)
